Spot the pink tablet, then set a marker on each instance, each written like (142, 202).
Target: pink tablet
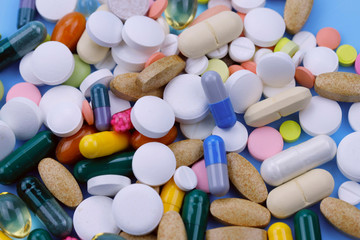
(87, 112)
(357, 64)
(328, 37)
(249, 65)
(201, 174)
(157, 8)
(26, 90)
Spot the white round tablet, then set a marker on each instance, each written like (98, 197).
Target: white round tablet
(108, 62)
(170, 45)
(185, 178)
(219, 53)
(186, 97)
(23, 116)
(143, 34)
(348, 156)
(245, 88)
(260, 53)
(52, 63)
(164, 25)
(305, 40)
(104, 28)
(272, 91)
(235, 138)
(350, 192)
(125, 9)
(107, 185)
(321, 60)
(103, 76)
(26, 71)
(276, 69)
(321, 116)
(120, 70)
(7, 140)
(213, 3)
(54, 10)
(137, 209)
(117, 104)
(199, 130)
(354, 116)
(93, 216)
(264, 26)
(196, 66)
(244, 6)
(298, 57)
(152, 116)
(241, 49)
(153, 164)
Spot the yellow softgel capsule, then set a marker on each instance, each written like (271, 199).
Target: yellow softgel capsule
(220, 67)
(172, 196)
(179, 14)
(347, 55)
(203, 1)
(279, 231)
(3, 236)
(103, 144)
(290, 131)
(287, 46)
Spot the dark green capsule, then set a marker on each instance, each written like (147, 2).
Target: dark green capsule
(38, 198)
(120, 164)
(195, 213)
(26, 157)
(107, 236)
(39, 234)
(307, 226)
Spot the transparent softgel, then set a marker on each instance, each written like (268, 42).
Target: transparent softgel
(180, 13)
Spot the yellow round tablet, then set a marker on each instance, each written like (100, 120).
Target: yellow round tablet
(281, 43)
(220, 67)
(347, 55)
(286, 46)
(290, 131)
(203, 1)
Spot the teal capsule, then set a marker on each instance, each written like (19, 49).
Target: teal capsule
(120, 164)
(87, 7)
(307, 226)
(107, 236)
(194, 214)
(39, 234)
(43, 204)
(180, 13)
(26, 157)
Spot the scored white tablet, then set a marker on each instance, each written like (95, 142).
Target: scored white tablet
(107, 185)
(321, 60)
(235, 138)
(103, 76)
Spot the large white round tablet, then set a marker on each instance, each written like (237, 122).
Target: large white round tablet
(245, 88)
(276, 69)
(348, 156)
(350, 192)
(241, 49)
(354, 116)
(152, 117)
(104, 28)
(23, 116)
(272, 91)
(185, 178)
(305, 40)
(137, 209)
(52, 63)
(170, 45)
(186, 97)
(26, 71)
(7, 140)
(107, 185)
(93, 216)
(117, 104)
(153, 164)
(143, 34)
(264, 26)
(321, 60)
(103, 76)
(125, 9)
(196, 66)
(245, 6)
(53, 10)
(199, 130)
(321, 116)
(235, 138)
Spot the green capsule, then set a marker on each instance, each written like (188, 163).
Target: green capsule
(107, 236)
(180, 13)
(307, 225)
(120, 164)
(43, 204)
(194, 214)
(39, 234)
(26, 157)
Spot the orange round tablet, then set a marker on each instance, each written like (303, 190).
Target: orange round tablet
(87, 112)
(157, 8)
(249, 65)
(328, 37)
(209, 13)
(304, 77)
(235, 68)
(153, 58)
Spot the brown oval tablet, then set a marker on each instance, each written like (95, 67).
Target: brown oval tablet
(187, 151)
(240, 212)
(60, 182)
(246, 178)
(296, 13)
(341, 215)
(132, 237)
(171, 227)
(338, 86)
(236, 233)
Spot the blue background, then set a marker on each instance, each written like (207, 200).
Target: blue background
(342, 15)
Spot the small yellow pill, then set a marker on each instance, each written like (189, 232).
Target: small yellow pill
(279, 231)
(286, 46)
(203, 1)
(290, 131)
(172, 196)
(220, 67)
(347, 55)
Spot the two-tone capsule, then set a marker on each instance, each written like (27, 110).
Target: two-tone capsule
(101, 105)
(26, 12)
(172, 196)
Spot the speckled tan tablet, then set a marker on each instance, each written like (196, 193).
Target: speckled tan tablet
(246, 178)
(124, 86)
(240, 212)
(339, 86)
(236, 233)
(341, 215)
(296, 13)
(171, 227)
(60, 182)
(187, 151)
(160, 73)
(144, 237)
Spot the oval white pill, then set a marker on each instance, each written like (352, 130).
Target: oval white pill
(108, 62)
(219, 53)
(241, 49)
(321, 116)
(350, 192)
(348, 155)
(235, 138)
(354, 116)
(245, 6)
(196, 66)
(117, 104)
(185, 178)
(272, 91)
(321, 60)
(199, 130)
(260, 53)
(26, 71)
(107, 185)
(7, 140)
(170, 45)
(103, 76)
(53, 10)
(305, 40)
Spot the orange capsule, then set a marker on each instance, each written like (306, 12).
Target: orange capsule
(137, 139)
(69, 29)
(67, 150)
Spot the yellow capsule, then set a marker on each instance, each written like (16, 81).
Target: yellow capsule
(3, 236)
(103, 144)
(172, 196)
(179, 14)
(279, 231)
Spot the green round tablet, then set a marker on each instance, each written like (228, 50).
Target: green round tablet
(81, 71)
(1, 90)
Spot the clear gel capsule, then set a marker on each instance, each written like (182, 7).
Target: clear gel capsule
(26, 12)
(307, 226)
(180, 13)
(216, 165)
(279, 231)
(219, 101)
(39, 234)
(101, 106)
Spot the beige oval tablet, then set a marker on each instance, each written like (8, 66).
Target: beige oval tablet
(296, 13)
(236, 233)
(132, 237)
(246, 178)
(89, 51)
(60, 182)
(240, 212)
(187, 151)
(171, 227)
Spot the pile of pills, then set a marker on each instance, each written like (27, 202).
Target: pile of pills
(123, 127)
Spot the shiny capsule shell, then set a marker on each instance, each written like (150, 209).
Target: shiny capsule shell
(279, 231)
(307, 226)
(107, 236)
(172, 196)
(39, 234)
(179, 14)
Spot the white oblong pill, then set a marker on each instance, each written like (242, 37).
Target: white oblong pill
(170, 45)
(7, 140)
(103, 76)
(350, 192)
(245, 6)
(260, 53)
(107, 185)
(298, 57)
(108, 62)
(185, 178)
(199, 130)
(26, 71)
(241, 49)
(347, 156)
(321, 60)
(235, 138)
(196, 66)
(219, 53)
(354, 116)
(272, 91)
(117, 104)
(53, 10)
(321, 116)
(305, 40)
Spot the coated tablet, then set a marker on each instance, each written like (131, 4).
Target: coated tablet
(235, 138)
(219, 53)
(272, 91)
(321, 60)
(26, 72)
(241, 49)
(107, 185)
(196, 66)
(7, 140)
(305, 40)
(185, 178)
(350, 192)
(245, 6)
(53, 10)
(170, 45)
(199, 130)
(354, 116)
(117, 104)
(102, 76)
(125, 9)
(348, 155)
(26, 90)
